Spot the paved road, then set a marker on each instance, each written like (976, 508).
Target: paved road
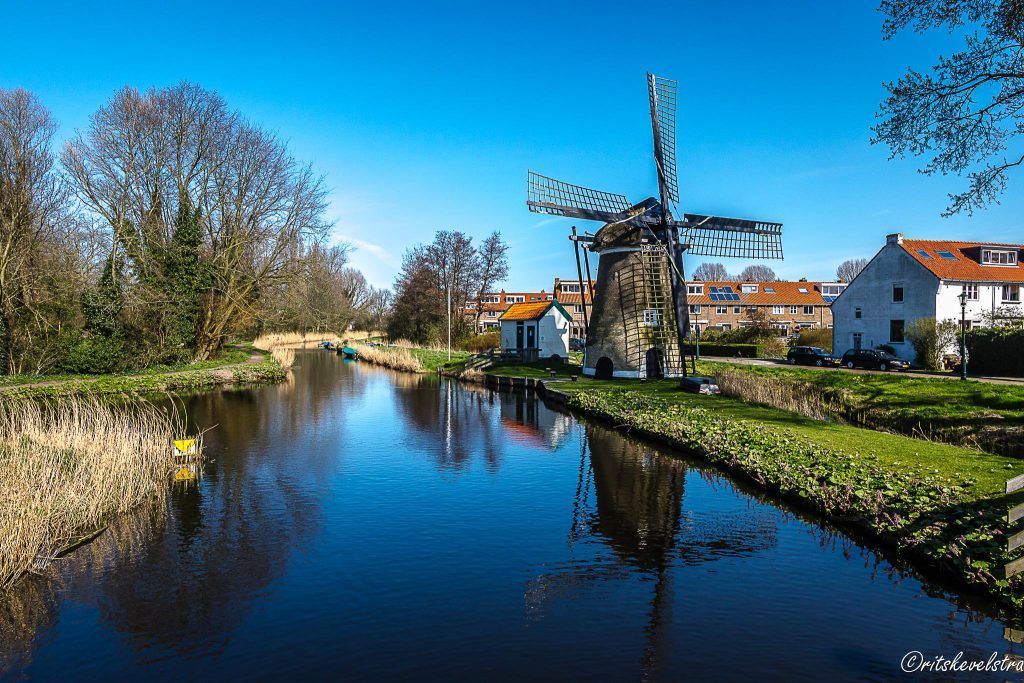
(912, 373)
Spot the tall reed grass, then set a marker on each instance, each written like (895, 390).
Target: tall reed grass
(67, 467)
(284, 355)
(804, 398)
(268, 341)
(396, 358)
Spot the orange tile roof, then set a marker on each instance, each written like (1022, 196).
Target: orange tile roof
(568, 298)
(786, 293)
(530, 310)
(967, 264)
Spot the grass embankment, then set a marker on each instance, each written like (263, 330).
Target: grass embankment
(235, 365)
(68, 467)
(942, 505)
(981, 415)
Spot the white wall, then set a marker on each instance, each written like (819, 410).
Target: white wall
(872, 292)
(552, 334)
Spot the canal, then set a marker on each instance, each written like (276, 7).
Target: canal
(361, 524)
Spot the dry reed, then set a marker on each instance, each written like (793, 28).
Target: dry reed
(798, 397)
(284, 355)
(268, 341)
(390, 357)
(67, 467)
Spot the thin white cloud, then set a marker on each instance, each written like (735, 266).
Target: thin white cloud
(377, 250)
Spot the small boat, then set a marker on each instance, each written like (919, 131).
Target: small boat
(349, 352)
(327, 345)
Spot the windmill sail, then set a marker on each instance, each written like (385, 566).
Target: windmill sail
(547, 195)
(730, 237)
(662, 94)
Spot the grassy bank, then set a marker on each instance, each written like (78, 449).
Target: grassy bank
(68, 467)
(981, 415)
(942, 505)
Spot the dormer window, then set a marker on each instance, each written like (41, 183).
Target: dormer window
(748, 289)
(999, 257)
(695, 289)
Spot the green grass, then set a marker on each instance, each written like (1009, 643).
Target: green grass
(926, 398)
(539, 370)
(432, 359)
(953, 463)
(228, 356)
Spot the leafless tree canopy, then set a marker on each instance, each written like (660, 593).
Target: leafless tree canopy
(758, 273)
(712, 272)
(850, 269)
(967, 114)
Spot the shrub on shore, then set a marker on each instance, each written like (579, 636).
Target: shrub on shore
(394, 357)
(67, 467)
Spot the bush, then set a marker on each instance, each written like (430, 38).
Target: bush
(819, 336)
(483, 342)
(931, 340)
(93, 355)
(996, 351)
(729, 350)
(887, 348)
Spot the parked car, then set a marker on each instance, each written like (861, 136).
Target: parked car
(576, 344)
(873, 359)
(810, 355)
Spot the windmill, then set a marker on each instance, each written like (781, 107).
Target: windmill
(641, 322)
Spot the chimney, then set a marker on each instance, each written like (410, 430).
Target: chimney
(895, 238)
(803, 279)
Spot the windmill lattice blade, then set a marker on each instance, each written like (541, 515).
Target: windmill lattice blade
(547, 195)
(662, 93)
(730, 237)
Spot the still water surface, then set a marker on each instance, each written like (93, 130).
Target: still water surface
(361, 524)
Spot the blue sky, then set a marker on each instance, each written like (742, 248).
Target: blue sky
(425, 116)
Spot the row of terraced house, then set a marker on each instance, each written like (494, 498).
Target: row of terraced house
(723, 305)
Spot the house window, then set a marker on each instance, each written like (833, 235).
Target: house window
(857, 340)
(721, 310)
(778, 310)
(803, 290)
(694, 308)
(651, 317)
(736, 310)
(577, 308)
(752, 309)
(769, 290)
(999, 257)
(748, 289)
(694, 289)
(897, 294)
(727, 326)
(808, 310)
(793, 310)
(972, 292)
(1011, 294)
(948, 255)
(832, 290)
(515, 299)
(857, 314)
(896, 331)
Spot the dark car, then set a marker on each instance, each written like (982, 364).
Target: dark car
(810, 355)
(872, 359)
(576, 344)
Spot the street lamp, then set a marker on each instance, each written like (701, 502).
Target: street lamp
(963, 334)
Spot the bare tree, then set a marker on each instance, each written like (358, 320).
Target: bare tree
(711, 272)
(849, 269)
(34, 220)
(968, 113)
(492, 267)
(147, 157)
(758, 273)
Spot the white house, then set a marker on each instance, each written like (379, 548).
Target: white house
(912, 279)
(537, 330)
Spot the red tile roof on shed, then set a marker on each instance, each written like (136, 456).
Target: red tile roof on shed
(966, 266)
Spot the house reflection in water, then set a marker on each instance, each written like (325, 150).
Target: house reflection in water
(527, 420)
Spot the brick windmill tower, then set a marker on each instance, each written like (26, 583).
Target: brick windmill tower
(640, 322)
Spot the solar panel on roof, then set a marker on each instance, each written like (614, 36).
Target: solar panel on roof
(924, 254)
(829, 299)
(946, 255)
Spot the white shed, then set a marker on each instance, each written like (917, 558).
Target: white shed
(536, 330)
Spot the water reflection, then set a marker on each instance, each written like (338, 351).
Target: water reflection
(363, 524)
